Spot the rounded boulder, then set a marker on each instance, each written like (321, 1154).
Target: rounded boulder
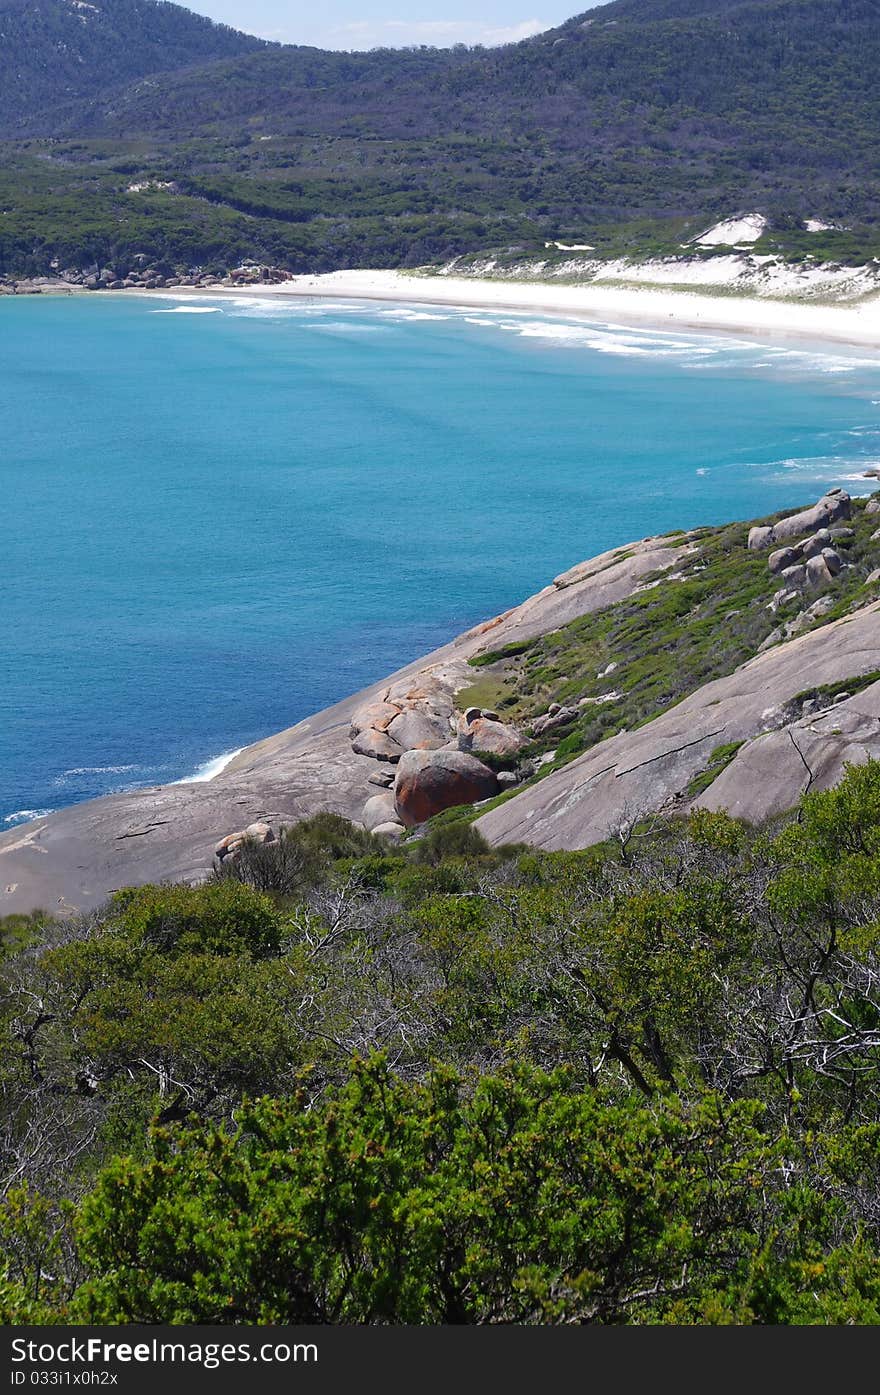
(485, 735)
(378, 811)
(818, 571)
(392, 832)
(778, 561)
(376, 744)
(419, 731)
(430, 781)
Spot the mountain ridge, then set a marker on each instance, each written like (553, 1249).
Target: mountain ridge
(590, 55)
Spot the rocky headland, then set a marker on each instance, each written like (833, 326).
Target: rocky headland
(720, 668)
(142, 274)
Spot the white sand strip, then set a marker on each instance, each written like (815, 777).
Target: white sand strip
(856, 324)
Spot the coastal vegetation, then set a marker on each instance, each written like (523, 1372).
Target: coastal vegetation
(632, 1085)
(60, 55)
(615, 669)
(350, 1079)
(630, 127)
(412, 1077)
(418, 1077)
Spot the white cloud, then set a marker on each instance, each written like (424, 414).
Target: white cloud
(440, 33)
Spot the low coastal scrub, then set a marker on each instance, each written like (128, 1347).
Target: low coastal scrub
(448, 1083)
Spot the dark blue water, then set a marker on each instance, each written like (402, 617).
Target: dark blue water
(212, 524)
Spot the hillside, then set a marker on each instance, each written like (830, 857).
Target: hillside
(633, 125)
(702, 76)
(646, 681)
(55, 53)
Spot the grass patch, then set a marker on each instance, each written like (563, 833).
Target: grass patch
(494, 656)
(719, 760)
(846, 685)
(467, 813)
(489, 693)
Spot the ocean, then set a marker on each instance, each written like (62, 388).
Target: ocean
(220, 516)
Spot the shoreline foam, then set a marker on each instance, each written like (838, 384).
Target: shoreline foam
(657, 303)
(210, 769)
(207, 771)
(24, 816)
(856, 324)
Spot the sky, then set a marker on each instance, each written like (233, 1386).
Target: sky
(365, 24)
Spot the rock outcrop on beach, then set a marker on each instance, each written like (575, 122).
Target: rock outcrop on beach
(751, 740)
(415, 728)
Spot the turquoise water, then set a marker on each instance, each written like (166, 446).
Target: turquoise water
(215, 523)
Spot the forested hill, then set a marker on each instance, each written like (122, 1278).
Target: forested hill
(712, 73)
(57, 51)
(647, 116)
(796, 69)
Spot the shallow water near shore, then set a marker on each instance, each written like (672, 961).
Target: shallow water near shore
(215, 523)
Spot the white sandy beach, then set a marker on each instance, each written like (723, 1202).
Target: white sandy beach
(843, 323)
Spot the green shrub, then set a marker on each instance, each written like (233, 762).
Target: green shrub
(450, 840)
(221, 917)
